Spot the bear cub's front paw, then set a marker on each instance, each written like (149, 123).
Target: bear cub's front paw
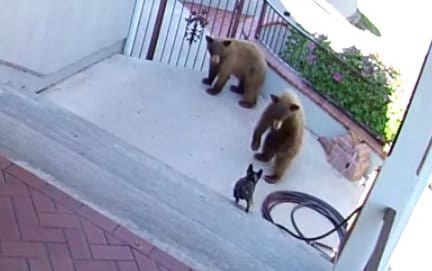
(236, 89)
(262, 157)
(206, 81)
(212, 91)
(255, 143)
(245, 104)
(271, 179)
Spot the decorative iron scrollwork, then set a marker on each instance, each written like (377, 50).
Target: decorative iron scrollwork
(196, 23)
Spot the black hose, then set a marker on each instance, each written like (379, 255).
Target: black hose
(305, 200)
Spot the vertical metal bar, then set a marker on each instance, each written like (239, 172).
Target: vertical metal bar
(182, 44)
(236, 18)
(211, 30)
(261, 20)
(285, 37)
(275, 23)
(223, 17)
(146, 30)
(157, 29)
(278, 34)
(231, 18)
(252, 25)
(134, 27)
(168, 29)
(176, 33)
(215, 17)
(243, 30)
(291, 53)
(200, 42)
(277, 48)
(190, 46)
(266, 33)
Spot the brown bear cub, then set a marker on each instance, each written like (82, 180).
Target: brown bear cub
(285, 118)
(238, 57)
(245, 187)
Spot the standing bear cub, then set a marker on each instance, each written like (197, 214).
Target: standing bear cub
(238, 57)
(285, 118)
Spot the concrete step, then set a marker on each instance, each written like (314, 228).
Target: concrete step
(176, 213)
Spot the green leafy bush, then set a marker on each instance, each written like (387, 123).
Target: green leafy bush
(359, 84)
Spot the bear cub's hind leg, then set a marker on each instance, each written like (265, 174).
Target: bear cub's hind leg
(269, 147)
(280, 165)
(238, 89)
(250, 94)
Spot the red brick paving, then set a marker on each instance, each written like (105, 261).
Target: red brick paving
(44, 229)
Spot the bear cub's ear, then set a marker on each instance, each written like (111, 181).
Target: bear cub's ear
(274, 98)
(209, 39)
(226, 43)
(294, 107)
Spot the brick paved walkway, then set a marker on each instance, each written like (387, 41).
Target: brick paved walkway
(44, 229)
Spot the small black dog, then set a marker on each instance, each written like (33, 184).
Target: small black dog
(245, 187)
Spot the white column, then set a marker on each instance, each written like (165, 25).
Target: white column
(400, 183)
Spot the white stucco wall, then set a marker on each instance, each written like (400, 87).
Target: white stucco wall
(46, 35)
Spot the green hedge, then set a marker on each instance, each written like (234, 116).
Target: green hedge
(361, 85)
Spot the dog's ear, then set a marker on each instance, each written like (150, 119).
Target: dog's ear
(250, 169)
(259, 174)
(209, 39)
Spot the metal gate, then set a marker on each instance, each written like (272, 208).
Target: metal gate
(173, 31)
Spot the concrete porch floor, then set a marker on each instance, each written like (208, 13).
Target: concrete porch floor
(165, 112)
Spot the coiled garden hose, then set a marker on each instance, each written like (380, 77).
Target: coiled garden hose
(304, 200)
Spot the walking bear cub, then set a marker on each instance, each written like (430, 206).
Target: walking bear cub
(285, 118)
(238, 57)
